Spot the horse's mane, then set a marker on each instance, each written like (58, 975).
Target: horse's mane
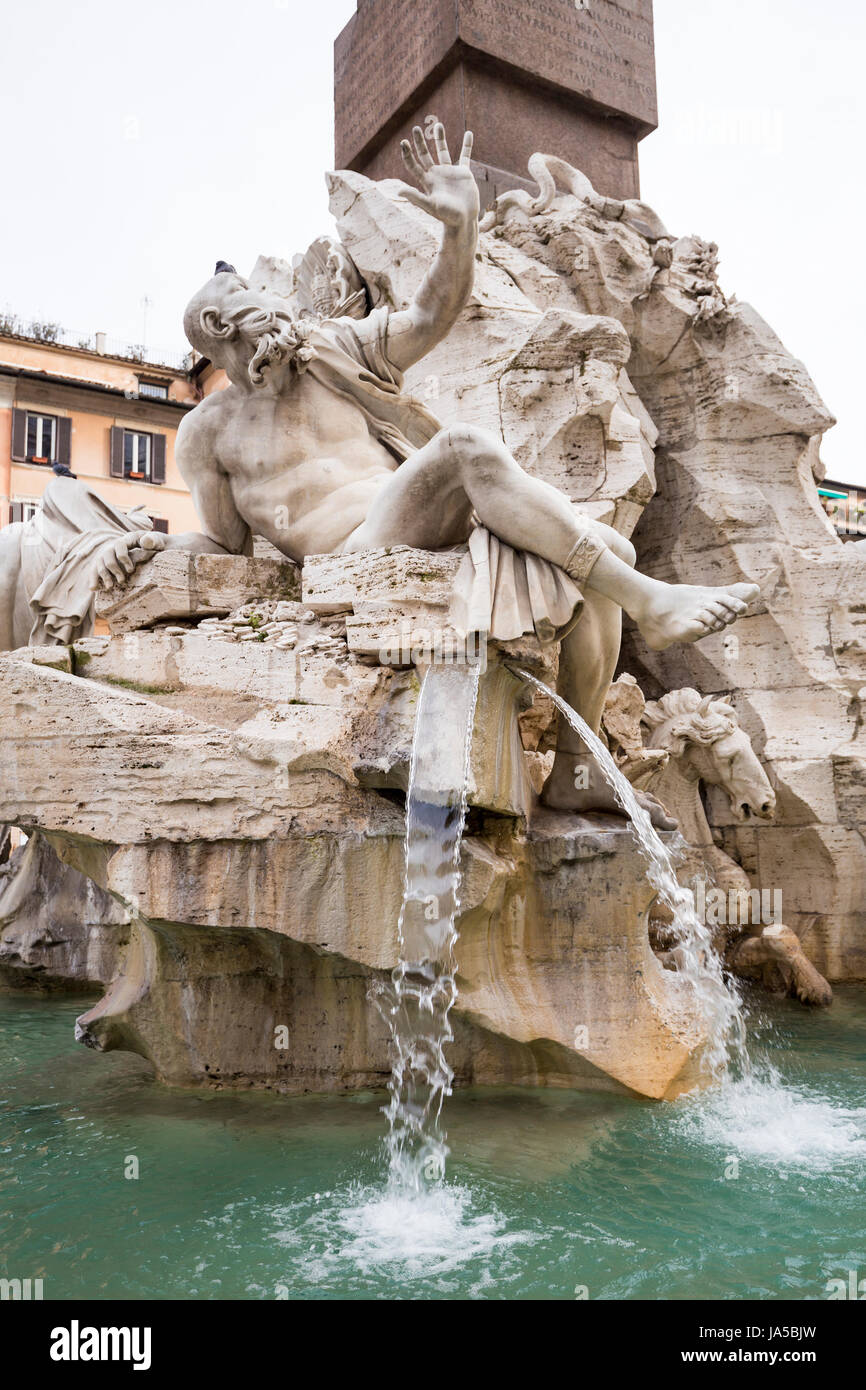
(691, 716)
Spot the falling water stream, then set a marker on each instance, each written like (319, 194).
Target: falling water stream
(698, 964)
(417, 1000)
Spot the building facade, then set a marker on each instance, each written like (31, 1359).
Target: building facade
(108, 411)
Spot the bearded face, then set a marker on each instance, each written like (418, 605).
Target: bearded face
(274, 338)
(226, 311)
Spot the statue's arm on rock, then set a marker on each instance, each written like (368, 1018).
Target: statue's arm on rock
(450, 194)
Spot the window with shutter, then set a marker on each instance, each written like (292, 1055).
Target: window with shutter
(24, 508)
(159, 523)
(136, 455)
(40, 437)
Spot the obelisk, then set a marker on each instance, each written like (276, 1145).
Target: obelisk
(569, 77)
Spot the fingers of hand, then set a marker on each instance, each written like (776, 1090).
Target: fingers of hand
(411, 163)
(151, 540)
(420, 200)
(121, 554)
(110, 570)
(466, 151)
(442, 152)
(422, 154)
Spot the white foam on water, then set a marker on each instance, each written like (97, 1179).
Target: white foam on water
(772, 1121)
(399, 1233)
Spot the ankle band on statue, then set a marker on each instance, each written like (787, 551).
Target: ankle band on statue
(582, 557)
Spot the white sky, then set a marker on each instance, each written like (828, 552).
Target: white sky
(144, 142)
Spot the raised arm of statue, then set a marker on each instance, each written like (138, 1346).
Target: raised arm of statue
(450, 194)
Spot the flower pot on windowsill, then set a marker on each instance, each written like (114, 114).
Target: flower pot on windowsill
(38, 460)
(140, 477)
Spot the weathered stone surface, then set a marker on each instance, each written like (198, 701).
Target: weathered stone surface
(263, 873)
(175, 584)
(232, 777)
(395, 600)
(57, 928)
(696, 746)
(524, 359)
(548, 996)
(738, 424)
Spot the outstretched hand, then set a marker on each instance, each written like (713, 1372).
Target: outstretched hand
(448, 191)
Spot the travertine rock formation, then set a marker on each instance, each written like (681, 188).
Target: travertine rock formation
(731, 495)
(57, 928)
(232, 795)
(228, 765)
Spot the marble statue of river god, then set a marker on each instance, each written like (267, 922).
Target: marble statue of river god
(315, 446)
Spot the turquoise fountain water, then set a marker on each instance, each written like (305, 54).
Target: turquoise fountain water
(417, 1001)
(258, 1196)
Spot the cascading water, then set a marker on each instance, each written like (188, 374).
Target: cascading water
(697, 961)
(417, 1002)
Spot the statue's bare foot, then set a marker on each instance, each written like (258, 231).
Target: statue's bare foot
(688, 612)
(577, 784)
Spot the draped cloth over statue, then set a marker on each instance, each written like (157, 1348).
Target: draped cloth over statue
(350, 357)
(505, 593)
(49, 588)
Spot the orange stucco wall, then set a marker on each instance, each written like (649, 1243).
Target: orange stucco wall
(91, 426)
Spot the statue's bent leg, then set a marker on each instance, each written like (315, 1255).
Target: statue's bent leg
(429, 503)
(430, 499)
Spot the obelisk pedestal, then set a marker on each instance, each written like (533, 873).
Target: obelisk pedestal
(569, 77)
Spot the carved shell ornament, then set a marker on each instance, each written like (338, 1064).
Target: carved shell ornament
(323, 283)
(327, 284)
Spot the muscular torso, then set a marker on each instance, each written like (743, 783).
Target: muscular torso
(302, 466)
